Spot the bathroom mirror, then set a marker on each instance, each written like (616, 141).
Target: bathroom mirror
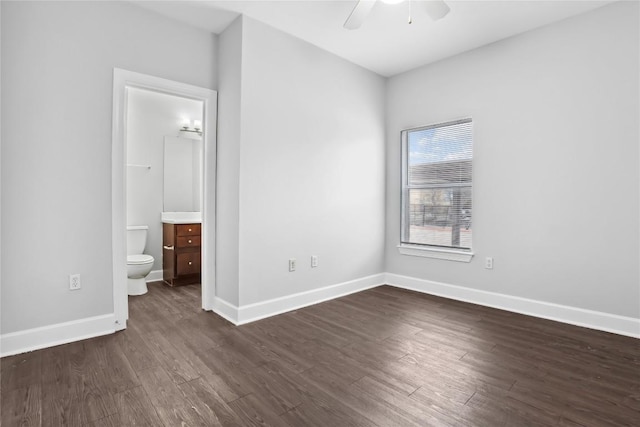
(182, 174)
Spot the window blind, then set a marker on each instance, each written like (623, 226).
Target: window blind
(437, 185)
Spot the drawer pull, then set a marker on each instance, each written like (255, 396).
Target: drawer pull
(190, 263)
(189, 241)
(189, 229)
(169, 248)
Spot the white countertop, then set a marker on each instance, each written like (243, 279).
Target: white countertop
(182, 217)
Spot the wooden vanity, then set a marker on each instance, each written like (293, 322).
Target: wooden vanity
(181, 253)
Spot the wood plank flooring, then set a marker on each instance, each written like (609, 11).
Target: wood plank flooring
(383, 357)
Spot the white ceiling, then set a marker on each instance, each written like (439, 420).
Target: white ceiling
(386, 43)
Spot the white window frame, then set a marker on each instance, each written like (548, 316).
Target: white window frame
(423, 250)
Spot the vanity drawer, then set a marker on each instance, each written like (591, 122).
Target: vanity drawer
(188, 229)
(188, 241)
(188, 263)
(181, 257)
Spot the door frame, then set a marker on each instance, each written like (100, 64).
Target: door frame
(122, 80)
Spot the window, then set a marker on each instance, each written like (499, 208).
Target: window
(437, 186)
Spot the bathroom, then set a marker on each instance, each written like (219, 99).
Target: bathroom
(164, 184)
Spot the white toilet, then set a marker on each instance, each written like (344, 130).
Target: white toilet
(138, 264)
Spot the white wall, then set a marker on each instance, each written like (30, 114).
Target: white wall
(556, 161)
(0, 178)
(228, 163)
(57, 74)
(311, 167)
(150, 117)
(301, 157)
(300, 166)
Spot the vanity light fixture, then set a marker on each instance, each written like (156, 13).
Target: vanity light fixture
(186, 126)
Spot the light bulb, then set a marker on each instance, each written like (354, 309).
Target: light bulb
(392, 1)
(185, 123)
(197, 124)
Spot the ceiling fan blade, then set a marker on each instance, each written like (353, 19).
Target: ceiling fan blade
(358, 14)
(436, 9)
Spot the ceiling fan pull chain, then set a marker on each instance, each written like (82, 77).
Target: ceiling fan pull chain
(410, 10)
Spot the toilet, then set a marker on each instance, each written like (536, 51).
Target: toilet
(138, 264)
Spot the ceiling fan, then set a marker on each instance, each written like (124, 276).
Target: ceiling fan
(436, 9)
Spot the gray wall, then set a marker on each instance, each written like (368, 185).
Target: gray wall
(556, 172)
(301, 157)
(0, 173)
(57, 78)
(309, 170)
(228, 161)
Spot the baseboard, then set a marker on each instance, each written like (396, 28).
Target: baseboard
(252, 312)
(621, 325)
(52, 335)
(225, 310)
(62, 333)
(154, 276)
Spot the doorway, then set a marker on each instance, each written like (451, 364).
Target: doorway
(125, 83)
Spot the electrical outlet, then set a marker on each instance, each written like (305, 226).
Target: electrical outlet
(488, 263)
(314, 261)
(292, 264)
(74, 282)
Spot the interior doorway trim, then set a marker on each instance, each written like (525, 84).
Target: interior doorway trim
(122, 80)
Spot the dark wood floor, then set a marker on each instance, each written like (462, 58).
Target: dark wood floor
(384, 357)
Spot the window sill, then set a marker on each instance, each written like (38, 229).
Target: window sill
(427, 252)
